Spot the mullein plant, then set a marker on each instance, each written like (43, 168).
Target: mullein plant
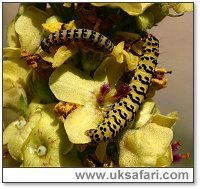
(51, 99)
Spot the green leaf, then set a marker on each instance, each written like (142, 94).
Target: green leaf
(23, 105)
(90, 61)
(42, 90)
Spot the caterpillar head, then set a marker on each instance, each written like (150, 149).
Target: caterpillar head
(45, 47)
(150, 40)
(92, 133)
(98, 135)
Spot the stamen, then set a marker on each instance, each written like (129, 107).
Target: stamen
(175, 145)
(122, 91)
(179, 157)
(41, 151)
(105, 88)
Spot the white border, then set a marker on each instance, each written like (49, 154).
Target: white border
(122, 175)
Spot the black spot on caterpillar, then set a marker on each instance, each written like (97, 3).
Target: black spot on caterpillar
(126, 108)
(92, 38)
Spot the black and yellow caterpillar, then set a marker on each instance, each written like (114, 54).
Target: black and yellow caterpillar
(126, 108)
(91, 38)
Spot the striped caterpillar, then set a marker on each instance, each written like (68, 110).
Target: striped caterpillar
(91, 38)
(126, 108)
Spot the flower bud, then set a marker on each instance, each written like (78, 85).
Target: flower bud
(145, 21)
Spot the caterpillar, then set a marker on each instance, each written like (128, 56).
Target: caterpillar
(89, 37)
(126, 108)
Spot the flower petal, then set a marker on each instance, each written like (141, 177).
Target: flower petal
(12, 36)
(88, 118)
(29, 28)
(15, 136)
(166, 159)
(53, 24)
(61, 55)
(166, 121)
(16, 70)
(101, 151)
(13, 52)
(183, 7)
(123, 56)
(9, 115)
(67, 5)
(131, 60)
(71, 85)
(52, 27)
(144, 114)
(110, 69)
(132, 9)
(118, 52)
(143, 147)
(47, 143)
(12, 92)
(145, 21)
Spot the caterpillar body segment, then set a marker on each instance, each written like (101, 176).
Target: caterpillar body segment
(126, 108)
(91, 38)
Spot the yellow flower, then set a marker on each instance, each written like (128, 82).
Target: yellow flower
(118, 52)
(12, 36)
(17, 132)
(39, 140)
(133, 9)
(123, 56)
(183, 7)
(149, 144)
(29, 28)
(15, 75)
(57, 56)
(106, 70)
(159, 11)
(143, 147)
(71, 85)
(48, 145)
(67, 5)
(145, 21)
(53, 24)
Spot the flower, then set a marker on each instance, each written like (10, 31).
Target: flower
(39, 137)
(122, 55)
(149, 145)
(18, 131)
(133, 9)
(29, 28)
(47, 144)
(182, 7)
(15, 76)
(80, 90)
(52, 24)
(157, 12)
